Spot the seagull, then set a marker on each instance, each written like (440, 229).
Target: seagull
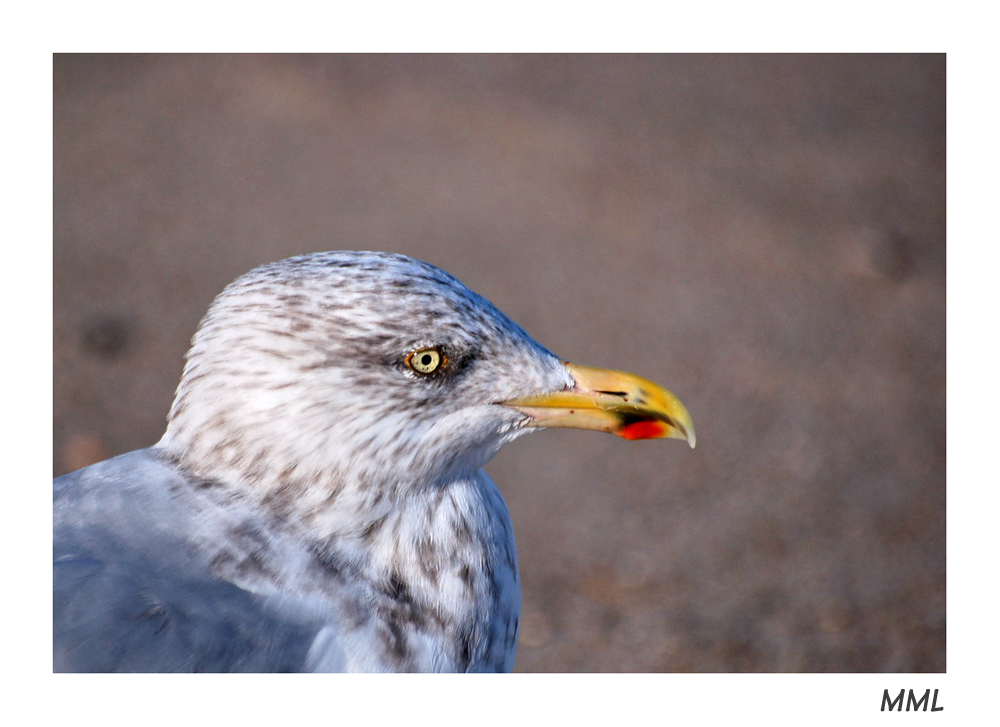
(317, 502)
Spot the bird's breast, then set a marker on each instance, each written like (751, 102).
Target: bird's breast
(438, 588)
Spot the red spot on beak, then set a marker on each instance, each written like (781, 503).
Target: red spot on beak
(648, 429)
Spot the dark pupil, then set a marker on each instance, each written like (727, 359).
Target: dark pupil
(426, 359)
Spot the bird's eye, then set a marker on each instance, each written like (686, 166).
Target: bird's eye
(426, 361)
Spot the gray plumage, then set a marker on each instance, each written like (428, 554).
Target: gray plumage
(318, 502)
(133, 593)
(315, 503)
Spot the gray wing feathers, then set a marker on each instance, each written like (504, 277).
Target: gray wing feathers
(108, 619)
(131, 594)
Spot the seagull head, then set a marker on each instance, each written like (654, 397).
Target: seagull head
(363, 368)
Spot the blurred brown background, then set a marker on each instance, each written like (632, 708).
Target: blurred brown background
(765, 235)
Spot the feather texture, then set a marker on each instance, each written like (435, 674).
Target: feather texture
(315, 503)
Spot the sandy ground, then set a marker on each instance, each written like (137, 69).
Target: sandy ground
(765, 235)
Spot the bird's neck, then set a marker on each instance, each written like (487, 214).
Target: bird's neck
(444, 561)
(438, 562)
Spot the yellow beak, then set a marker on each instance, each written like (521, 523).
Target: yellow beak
(610, 401)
